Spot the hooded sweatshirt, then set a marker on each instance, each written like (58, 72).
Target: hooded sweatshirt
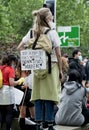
(71, 102)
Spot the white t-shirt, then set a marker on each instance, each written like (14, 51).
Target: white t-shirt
(53, 36)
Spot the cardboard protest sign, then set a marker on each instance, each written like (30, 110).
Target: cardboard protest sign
(33, 59)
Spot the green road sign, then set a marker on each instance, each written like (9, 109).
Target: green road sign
(69, 35)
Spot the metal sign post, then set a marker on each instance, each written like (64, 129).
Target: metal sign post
(52, 5)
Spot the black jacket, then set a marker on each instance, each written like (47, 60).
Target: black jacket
(74, 64)
(87, 70)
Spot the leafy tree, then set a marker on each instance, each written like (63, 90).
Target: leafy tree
(75, 12)
(16, 18)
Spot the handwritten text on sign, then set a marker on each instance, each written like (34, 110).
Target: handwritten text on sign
(33, 59)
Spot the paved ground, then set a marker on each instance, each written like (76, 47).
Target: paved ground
(15, 126)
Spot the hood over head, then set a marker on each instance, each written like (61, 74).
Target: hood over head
(71, 87)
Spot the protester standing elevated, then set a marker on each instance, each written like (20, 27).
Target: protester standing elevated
(45, 91)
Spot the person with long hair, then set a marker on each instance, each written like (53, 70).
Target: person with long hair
(45, 91)
(7, 97)
(26, 87)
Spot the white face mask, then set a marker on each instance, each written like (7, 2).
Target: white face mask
(52, 25)
(80, 58)
(13, 65)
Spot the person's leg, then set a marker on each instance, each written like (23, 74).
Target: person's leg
(38, 113)
(22, 111)
(49, 114)
(9, 116)
(30, 107)
(31, 110)
(1, 116)
(22, 117)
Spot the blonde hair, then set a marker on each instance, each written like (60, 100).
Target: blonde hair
(40, 19)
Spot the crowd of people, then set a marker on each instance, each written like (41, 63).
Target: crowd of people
(60, 98)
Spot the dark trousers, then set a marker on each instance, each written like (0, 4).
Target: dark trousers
(6, 115)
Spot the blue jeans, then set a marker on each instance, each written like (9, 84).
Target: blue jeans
(44, 110)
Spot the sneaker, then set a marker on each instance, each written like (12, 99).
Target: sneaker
(45, 125)
(29, 122)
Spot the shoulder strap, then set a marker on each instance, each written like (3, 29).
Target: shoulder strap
(49, 55)
(35, 42)
(31, 33)
(47, 31)
(49, 63)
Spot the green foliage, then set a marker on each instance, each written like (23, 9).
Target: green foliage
(16, 19)
(4, 23)
(71, 13)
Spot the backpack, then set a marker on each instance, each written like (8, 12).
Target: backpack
(42, 42)
(1, 79)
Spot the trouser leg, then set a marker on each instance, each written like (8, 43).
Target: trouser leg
(9, 116)
(22, 123)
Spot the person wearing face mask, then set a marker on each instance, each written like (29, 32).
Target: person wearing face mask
(80, 58)
(76, 63)
(45, 91)
(7, 98)
(51, 23)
